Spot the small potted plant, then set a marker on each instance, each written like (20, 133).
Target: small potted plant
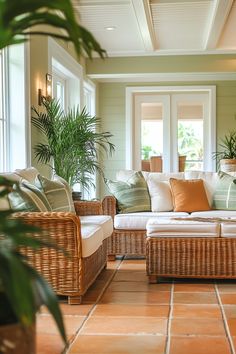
(22, 288)
(226, 157)
(73, 144)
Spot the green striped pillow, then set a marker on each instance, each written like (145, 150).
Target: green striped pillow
(58, 194)
(225, 193)
(132, 196)
(26, 196)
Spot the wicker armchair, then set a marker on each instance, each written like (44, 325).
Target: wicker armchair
(123, 242)
(69, 275)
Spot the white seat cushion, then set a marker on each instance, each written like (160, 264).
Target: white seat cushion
(92, 237)
(228, 229)
(138, 221)
(166, 227)
(104, 221)
(215, 214)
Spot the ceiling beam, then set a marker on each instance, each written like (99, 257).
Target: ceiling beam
(220, 12)
(144, 19)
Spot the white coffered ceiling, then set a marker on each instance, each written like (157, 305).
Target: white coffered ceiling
(160, 27)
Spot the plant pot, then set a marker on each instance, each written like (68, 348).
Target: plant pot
(228, 165)
(76, 195)
(16, 339)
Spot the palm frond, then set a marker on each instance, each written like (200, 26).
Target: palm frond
(76, 144)
(18, 19)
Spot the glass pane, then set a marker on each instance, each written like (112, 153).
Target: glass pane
(190, 143)
(151, 130)
(60, 94)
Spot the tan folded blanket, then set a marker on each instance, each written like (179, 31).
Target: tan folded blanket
(202, 219)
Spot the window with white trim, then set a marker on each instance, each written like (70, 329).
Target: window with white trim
(14, 111)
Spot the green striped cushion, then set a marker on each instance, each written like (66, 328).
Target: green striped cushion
(225, 193)
(26, 196)
(58, 194)
(132, 196)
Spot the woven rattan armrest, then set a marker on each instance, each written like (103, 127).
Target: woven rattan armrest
(109, 206)
(63, 228)
(88, 207)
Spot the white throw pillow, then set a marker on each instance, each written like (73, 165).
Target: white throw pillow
(160, 193)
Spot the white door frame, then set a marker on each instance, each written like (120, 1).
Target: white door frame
(210, 124)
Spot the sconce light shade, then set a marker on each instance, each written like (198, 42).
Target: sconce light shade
(49, 86)
(48, 94)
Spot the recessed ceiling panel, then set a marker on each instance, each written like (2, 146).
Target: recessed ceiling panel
(228, 37)
(180, 25)
(97, 16)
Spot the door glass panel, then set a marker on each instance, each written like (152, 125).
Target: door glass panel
(190, 135)
(151, 130)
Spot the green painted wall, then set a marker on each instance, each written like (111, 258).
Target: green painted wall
(112, 111)
(163, 64)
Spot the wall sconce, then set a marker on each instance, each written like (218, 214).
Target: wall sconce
(48, 95)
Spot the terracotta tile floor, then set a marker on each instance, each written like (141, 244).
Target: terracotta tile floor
(123, 314)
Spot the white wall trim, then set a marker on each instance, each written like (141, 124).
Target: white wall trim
(27, 104)
(165, 77)
(130, 91)
(58, 56)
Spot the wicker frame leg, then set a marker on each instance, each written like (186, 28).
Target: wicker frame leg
(111, 257)
(152, 279)
(74, 300)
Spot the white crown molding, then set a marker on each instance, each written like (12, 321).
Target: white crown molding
(220, 13)
(165, 77)
(169, 52)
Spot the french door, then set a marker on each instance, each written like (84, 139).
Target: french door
(171, 124)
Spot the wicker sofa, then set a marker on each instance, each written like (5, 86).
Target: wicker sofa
(83, 235)
(129, 235)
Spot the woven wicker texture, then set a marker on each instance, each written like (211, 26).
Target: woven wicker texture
(83, 207)
(191, 257)
(123, 242)
(69, 274)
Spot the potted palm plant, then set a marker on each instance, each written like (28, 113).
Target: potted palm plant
(73, 143)
(22, 289)
(226, 157)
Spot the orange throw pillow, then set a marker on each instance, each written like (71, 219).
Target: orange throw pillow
(189, 195)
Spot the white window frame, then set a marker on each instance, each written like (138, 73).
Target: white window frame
(210, 124)
(62, 62)
(16, 107)
(90, 90)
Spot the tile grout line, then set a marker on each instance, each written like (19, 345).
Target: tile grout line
(66, 349)
(228, 335)
(167, 348)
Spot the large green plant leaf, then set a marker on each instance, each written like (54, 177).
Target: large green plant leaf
(19, 18)
(17, 286)
(47, 297)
